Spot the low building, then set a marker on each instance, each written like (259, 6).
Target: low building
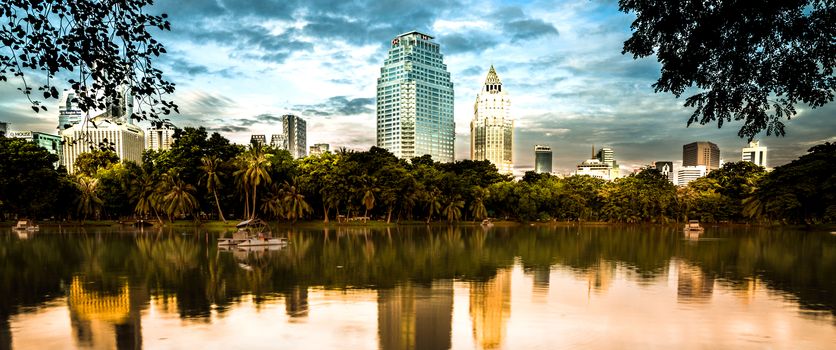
(602, 165)
(127, 140)
(319, 148)
(258, 140)
(690, 173)
(278, 141)
(51, 143)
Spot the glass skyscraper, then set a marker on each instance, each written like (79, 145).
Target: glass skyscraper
(415, 100)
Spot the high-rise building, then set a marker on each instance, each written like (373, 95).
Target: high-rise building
(542, 159)
(295, 134)
(666, 168)
(690, 173)
(755, 153)
(127, 140)
(51, 143)
(258, 140)
(68, 112)
(415, 100)
(159, 139)
(278, 141)
(492, 128)
(319, 148)
(701, 153)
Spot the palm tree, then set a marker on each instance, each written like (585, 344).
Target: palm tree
(433, 199)
(273, 203)
(254, 164)
(453, 209)
(179, 197)
(88, 200)
(210, 166)
(477, 207)
(294, 203)
(368, 200)
(146, 194)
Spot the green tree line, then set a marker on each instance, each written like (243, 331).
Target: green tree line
(205, 176)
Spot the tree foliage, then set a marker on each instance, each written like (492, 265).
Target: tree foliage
(749, 60)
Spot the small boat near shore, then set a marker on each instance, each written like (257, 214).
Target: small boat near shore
(26, 225)
(251, 233)
(693, 229)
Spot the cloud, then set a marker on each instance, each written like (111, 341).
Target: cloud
(340, 106)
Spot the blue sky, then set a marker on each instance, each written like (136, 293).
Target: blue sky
(238, 65)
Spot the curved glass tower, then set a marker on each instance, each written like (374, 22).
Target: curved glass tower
(415, 100)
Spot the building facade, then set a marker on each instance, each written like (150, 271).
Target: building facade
(295, 134)
(258, 140)
(319, 148)
(602, 165)
(543, 159)
(690, 173)
(159, 139)
(755, 153)
(278, 141)
(492, 128)
(666, 169)
(415, 100)
(51, 143)
(701, 153)
(127, 140)
(68, 112)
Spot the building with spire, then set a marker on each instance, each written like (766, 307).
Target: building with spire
(492, 128)
(415, 100)
(602, 165)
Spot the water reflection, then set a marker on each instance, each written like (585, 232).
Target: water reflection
(415, 287)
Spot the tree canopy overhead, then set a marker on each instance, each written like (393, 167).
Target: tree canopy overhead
(103, 45)
(750, 61)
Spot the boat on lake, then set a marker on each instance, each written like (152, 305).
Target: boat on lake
(487, 223)
(251, 233)
(693, 229)
(26, 225)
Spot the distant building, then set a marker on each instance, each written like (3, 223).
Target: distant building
(666, 168)
(415, 100)
(755, 154)
(602, 165)
(492, 128)
(690, 173)
(68, 112)
(701, 153)
(295, 134)
(127, 140)
(159, 139)
(278, 141)
(258, 140)
(542, 159)
(4, 128)
(319, 148)
(606, 155)
(51, 143)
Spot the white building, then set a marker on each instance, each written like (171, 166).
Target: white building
(690, 173)
(128, 141)
(755, 153)
(295, 135)
(159, 139)
(278, 141)
(319, 148)
(597, 169)
(415, 100)
(68, 112)
(492, 128)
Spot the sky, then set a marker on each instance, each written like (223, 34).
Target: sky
(240, 65)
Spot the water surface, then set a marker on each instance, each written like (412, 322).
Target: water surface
(420, 288)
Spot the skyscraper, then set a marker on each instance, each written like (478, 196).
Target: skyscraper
(68, 112)
(701, 153)
(159, 138)
(415, 100)
(492, 128)
(755, 153)
(127, 140)
(294, 134)
(542, 159)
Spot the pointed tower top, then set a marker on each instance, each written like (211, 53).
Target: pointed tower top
(492, 78)
(593, 150)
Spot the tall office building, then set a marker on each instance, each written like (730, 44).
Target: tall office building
(666, 168)
(159, 139)
(415, 100)
(258, 140)
(295, 134)
(701, 153)
(755, 154)
(127, 140)
(542, 159)
(278, 141)
(68, 112)
(492, 128)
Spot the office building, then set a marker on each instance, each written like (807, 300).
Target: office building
(258, 140)
(51, 143)
(278, 141)
(606, 155)
(295, 134)
(319, 148)
(666, 168)
(701, 153)
(689, 173)
(492, 128)
(159, 139)
(602, 165)
(755, 154)
(415, 100)
(68, 112)
(542, 159)
(127, 140)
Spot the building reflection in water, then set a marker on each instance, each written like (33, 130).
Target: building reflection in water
(106, 316)
(600, 277)
(694, 285)
(296, 303)
(490, 308)
(413, 316)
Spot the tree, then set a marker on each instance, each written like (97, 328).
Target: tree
(749, 60)
(453, 209)
(89, 163)
(28, 180)
(88, 201)
(146, 195)
(477, 206)
(104, 44)
(213, 181)
(294, 203)
(368, 199)
(273, 202)
(179, 197)
(253, 167)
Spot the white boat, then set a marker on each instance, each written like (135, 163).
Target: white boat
(26, 225)
(261, 241)
(487, 223)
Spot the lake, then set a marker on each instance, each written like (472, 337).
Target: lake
(420, 288)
